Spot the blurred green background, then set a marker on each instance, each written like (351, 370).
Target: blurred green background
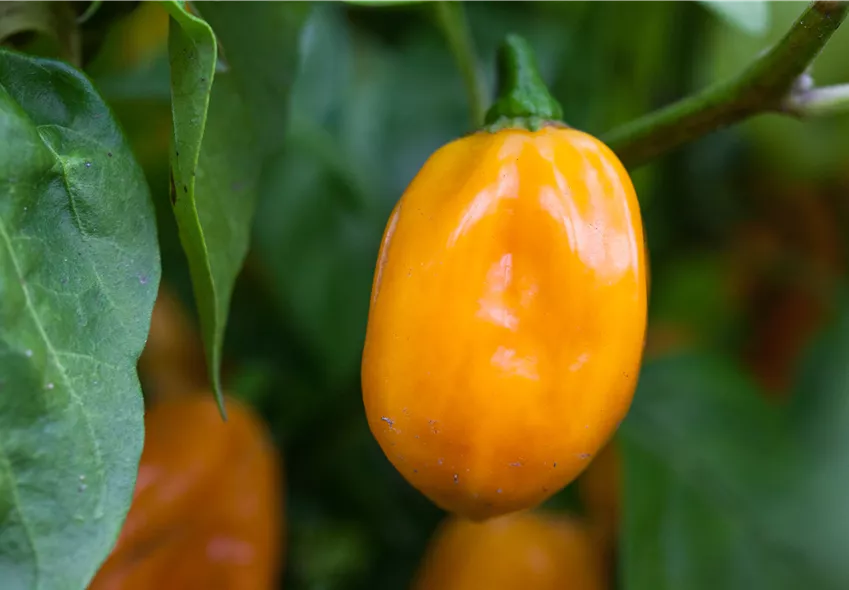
(735, 455)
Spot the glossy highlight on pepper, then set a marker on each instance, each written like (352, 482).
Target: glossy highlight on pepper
(507, 318)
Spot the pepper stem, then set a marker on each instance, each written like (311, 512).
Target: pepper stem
(523, 99)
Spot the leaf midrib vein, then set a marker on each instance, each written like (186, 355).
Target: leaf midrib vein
(65, 379)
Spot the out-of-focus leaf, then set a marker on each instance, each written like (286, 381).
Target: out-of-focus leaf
(383, 2)
(724, 490)
(313, 229)
(132, 58)
(218, 156)
(700, 447)
(90, 11)
(751, 16)
(328, 556)
(321, 79)
(48, 29)
(351, 150)
(101, 23)
(148, 82)
(260, 42)
(79, 272)
(695, 292)
(320, 252)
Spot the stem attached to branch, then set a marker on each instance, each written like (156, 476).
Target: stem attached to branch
(771, 83)
(818, 102)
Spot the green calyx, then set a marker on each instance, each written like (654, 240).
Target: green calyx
(523, 98)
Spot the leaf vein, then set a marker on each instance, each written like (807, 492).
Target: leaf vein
(75, 396)
(71, 201)
(7, 465)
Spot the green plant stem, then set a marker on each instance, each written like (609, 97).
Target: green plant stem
(523, 100)
(452, 20)
(767, 85)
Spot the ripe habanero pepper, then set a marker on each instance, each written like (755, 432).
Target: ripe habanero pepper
(513, 552)
(207, 509)
(508, 308)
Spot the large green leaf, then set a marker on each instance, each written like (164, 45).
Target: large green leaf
(724, 490)
(223, 129)
(79, 272)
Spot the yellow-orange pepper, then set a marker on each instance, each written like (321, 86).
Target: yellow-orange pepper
(507, 318)
(207, 511)
(516, 552)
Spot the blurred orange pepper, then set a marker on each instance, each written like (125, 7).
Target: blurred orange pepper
(521, 551)
(207, 511)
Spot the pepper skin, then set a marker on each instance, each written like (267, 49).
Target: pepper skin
(207, 506)
(514, 552)
(507, 318)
